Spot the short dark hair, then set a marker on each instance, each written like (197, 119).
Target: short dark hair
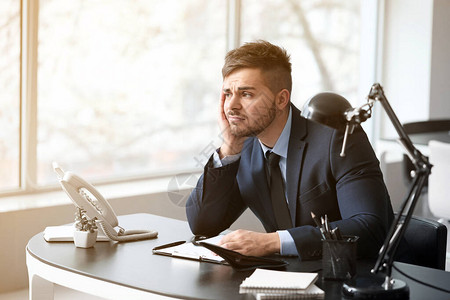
(273, 61)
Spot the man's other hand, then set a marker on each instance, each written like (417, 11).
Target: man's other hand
(251, 243)
(231, 143)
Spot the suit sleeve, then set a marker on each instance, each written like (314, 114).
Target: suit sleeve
(363, 200)
(215, 203)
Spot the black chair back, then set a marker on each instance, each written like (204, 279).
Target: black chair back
(427, 126)
(424, 244)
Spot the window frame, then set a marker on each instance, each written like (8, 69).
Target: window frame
(28, 95)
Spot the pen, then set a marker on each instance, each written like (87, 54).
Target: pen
(169, 245)
(324, 229)
(324, 233)
(317, 221)
(336, 233)
(327, 225)
(333, 234)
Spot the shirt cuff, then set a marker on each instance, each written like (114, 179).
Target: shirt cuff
(287, 244)
(217, 162)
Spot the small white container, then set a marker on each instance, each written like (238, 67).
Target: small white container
(84, 239)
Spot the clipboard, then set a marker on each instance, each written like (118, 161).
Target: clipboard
(203, 250)
(242, 262)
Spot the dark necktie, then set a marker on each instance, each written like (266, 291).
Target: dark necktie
(277, 195)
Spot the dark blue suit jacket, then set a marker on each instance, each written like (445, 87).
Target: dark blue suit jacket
(350, 189)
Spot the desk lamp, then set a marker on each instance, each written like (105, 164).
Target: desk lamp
(335, 111)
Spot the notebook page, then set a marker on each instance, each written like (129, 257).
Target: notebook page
(272, 279)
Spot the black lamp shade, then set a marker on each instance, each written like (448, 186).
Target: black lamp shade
(328, 109)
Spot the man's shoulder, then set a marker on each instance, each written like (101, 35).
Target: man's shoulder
(306, 129)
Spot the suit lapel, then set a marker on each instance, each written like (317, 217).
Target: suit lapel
(295, 158)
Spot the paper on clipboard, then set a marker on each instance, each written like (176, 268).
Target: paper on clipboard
(191, 251)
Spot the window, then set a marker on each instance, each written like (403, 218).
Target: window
(9, 94)
(129, 89)
(322, 37)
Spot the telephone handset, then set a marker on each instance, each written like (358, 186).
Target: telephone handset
(85, 196)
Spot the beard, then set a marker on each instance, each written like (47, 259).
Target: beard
(256, 124)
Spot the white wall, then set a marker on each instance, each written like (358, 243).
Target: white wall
(415, 67)
(415, 71)
(439, 106)
(406, 54)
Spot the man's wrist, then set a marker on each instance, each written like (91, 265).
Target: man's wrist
(225, 151)
(218, 162)
(275, 243)
(287, 244)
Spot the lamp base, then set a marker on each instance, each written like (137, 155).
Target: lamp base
(372, 288)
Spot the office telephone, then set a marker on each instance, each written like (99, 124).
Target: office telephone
(85, 196)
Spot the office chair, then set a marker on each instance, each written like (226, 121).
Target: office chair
(421, 132)
(424, 244)
(438, 182)
(427, 126)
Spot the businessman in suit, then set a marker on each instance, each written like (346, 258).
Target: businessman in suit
(259, 122)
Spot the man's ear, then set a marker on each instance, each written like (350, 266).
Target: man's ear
(283, 99)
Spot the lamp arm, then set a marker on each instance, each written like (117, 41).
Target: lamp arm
(398, 227)
(423, 170)
(377, 94)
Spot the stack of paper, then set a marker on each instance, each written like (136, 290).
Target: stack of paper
(270, 284)
(64, 233)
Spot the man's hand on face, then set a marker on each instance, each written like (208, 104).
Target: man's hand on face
(251, 243)
(231, 143)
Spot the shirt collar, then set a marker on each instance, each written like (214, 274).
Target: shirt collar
(281, 146)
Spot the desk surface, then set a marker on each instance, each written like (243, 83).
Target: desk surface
(133, 265)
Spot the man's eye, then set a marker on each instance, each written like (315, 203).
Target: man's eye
(227, 95)
(246, 95)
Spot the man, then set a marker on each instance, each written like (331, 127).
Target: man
(256, 117)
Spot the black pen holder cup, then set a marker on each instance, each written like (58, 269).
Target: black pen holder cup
(339, 258)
